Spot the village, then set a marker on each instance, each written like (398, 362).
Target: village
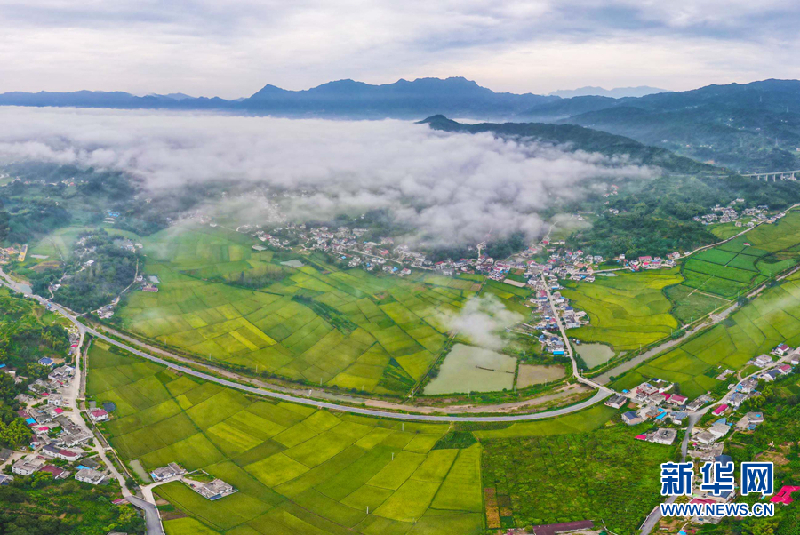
(660, 412)
(728, 214)
(63, 442)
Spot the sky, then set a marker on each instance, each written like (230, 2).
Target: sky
(231, 48)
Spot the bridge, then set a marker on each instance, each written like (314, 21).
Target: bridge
(774, 175)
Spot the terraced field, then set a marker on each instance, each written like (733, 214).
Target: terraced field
(731, 268)
(296, 469)
(639, 308)
(314, 323)
(626, 310)
(756, 328)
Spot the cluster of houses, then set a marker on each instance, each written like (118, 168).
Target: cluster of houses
(650, 262)
(210, 490)
(40, 462)
(567, 265)
(55, 436)
(548, 313)
(655, 401)
(58, 445)
(18, 251)
(728, 214)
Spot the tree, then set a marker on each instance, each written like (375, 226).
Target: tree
(15, 434)
(3, 223)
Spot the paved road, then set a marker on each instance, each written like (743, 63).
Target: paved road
(154, 526)
(567, 347)
(601, 394)
(694, 417)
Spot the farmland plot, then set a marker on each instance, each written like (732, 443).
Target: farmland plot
(296, 469)
(313, 324)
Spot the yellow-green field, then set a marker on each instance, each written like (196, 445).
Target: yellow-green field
(756, 328)
(729, 269)
(296, 469)
(316, 323)
(626, 310)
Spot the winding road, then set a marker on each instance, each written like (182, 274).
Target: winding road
(601, 394)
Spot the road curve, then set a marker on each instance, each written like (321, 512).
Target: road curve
(154, 526)
(599, 396)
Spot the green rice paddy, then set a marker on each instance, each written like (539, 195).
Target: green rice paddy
(756, 328)
(296, 469)
(730, 269)
(625, 311)
(316, 323)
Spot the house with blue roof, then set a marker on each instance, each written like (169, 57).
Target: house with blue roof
(631, 418)
(45, 361)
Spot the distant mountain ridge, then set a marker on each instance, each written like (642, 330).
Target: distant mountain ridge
(343, 98)
(748, 127)
(617, 92)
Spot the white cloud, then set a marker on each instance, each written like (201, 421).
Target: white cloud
(232, 48)
(452, 187)
(482, 319)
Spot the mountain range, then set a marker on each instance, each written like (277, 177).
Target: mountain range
(403, 99)
(617, 92)
(747, 127)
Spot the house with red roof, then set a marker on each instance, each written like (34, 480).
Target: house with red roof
(677, 399)
(719, 410)
(784, 495)
(781, 350)
(98, 415)
(58, 473)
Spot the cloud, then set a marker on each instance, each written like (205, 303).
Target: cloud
(233, 48)
(452, 188)
(482, 320)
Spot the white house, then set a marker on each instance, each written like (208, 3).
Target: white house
(27, 465)
(90, 475)
(763, 360)
(98, 415)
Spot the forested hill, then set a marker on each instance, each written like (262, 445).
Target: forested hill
(581, 138)
(747, 127)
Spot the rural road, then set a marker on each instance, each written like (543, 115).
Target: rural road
(601, 394)
(694, 417)
(154, 526)
(567, 347)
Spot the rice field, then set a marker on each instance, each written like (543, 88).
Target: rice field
(635, 309)
(296, 469)
(301, 470)
(315, 324)
(731, 268)
(625, 311)
(756, 328)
